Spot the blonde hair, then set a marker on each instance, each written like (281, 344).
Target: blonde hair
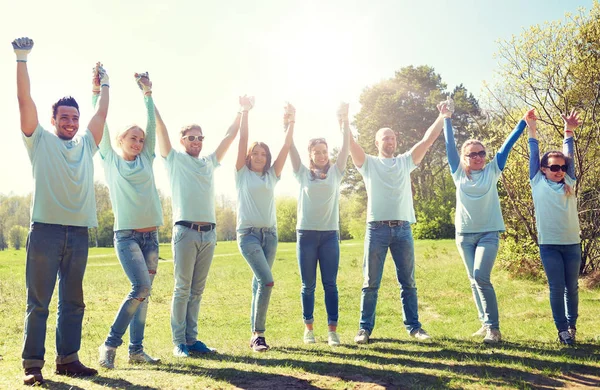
(544, 164)
(187, 128)
(123, 133)
(463, 150)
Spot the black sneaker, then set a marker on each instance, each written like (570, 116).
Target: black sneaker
(32, 376)
(258, 344)
(565, 338)
(573, 332)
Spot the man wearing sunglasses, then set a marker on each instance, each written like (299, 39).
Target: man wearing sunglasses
(194, 236)
(389, 215)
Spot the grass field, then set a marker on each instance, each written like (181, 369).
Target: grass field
(529, 357)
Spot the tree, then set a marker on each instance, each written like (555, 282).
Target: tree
(286, 218)
(165, 232)
(17, 236)
(226, 218)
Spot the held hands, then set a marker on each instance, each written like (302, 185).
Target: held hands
(22, 47)
(246, 103)
(102, 75)
(95, 81)
(289, 115)
(143, 81)
(571, 122)
(530, 119)
(342, 114)
(444, 109)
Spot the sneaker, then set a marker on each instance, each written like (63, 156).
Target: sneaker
(309, 336)
(565, 338)
(142, 357)
(199, 347)
(181, 351)
(481, 332)
(420, 334)
(573, 332)
(75, 368)
(492, 336)
(259, 344)
(333, 339)
(362, 337)
(107, 356)
(32, 376)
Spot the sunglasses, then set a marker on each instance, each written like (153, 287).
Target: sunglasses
(556, 168)
(192, 138)
(480, 154)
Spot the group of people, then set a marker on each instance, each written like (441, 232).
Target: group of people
(64, 207)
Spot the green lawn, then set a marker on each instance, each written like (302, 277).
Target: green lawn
(529, 357)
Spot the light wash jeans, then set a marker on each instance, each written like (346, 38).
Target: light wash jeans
(192, 255)
(54, 250)
(378, 238)
(478, 251)
(561, 264)
(138, 254)
(258, 246)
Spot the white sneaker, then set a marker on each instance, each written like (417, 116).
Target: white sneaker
(362, 337)
(333, 339)
(309, 336)
(420, 334)
(492, 336)
(565, 338)
(107, 356)
(142, 357)
(481, 332)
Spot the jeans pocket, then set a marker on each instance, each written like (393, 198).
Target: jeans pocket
(178, 233)
(123, 235)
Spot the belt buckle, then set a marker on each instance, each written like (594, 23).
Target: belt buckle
(393, 223)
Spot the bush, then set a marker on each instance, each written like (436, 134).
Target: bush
(521, 259)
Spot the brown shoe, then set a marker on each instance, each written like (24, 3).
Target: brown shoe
(75, 368)
(32, 376)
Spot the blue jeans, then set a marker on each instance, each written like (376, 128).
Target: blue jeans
(193, 254)
(314, 246)
(138, 254)
(478, 251)
(258, 246)
(378, 238)
(561, 263)
(54, 250)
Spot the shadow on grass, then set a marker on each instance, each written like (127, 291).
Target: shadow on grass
(111, 383)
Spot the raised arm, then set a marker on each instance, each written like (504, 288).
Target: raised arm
(419, 150)
(143, 81)
(571, 121)
(162, 135)
(506, 147)
(287, 143)
(344, 123)
(27, 109)
(105, 144)
(246, 104)
(534, 148)
(96, 125)
(226, 142)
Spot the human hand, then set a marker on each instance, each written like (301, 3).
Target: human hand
(444, 109)
(143, 81)
(246, 103)
(572, 121)
(342, 113)
(102, 75)
(22, 47)
(530, 119)
(95, 80)
(289, 114)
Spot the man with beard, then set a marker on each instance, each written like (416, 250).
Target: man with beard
(63, 208)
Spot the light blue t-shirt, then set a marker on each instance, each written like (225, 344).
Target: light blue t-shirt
(63, 178)
(192, 186)
(556, 216)
(477, 202)
(133, 193)
(319, 200)
(387, 181)
(256, 198)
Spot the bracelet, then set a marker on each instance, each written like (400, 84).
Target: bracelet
(568, 131)
(105, 85)
(147, 93)
(21, 60)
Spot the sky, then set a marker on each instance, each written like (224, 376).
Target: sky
(202, 55)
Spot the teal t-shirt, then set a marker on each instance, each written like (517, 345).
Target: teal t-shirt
(319, 199)
(133, 193)
(256, 198)
(556, 216)
(387, 181)
(192, 186)
(63, 178)
(477, 202)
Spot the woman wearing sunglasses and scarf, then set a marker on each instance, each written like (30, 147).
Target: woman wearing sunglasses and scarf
(318, 225)
(552, 180)
(478, 218)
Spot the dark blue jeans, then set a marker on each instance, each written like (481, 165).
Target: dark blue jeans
(398, 239)
(312, 247)
(54, 250)
(561, 263)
